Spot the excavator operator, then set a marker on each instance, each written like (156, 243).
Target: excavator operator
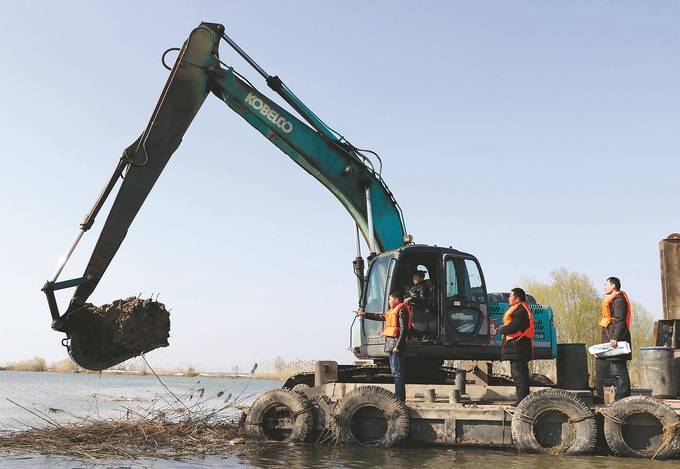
(419, 298)
(419, 295)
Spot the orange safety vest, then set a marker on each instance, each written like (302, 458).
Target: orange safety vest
(507, 319)
(606, 318)
(391, 328)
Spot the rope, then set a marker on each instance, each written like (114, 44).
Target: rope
(300, 412)
(292, 417)
(523, 418)
(669, 432)
(581, 419)
(166, 388)
(609, 416)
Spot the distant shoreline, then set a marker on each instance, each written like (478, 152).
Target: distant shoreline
(277, 370)
(180, 374)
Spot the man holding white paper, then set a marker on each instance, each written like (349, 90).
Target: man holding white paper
(614, 328)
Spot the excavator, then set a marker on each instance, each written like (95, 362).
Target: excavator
(455, 328)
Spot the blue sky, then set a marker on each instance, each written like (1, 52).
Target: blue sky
(536, 135)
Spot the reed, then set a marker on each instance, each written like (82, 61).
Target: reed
(171, 427)
(190, 372)
(35, 364)
(280, 369)
(63, 366)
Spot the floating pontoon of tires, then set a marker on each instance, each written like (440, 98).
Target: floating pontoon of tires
(549, 420)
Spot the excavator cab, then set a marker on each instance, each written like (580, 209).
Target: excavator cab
(454, 322)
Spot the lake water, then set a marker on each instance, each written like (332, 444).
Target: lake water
(70, 397)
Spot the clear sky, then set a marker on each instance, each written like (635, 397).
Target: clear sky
(536, 135)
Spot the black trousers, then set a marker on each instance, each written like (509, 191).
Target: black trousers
(519, 370)
(617, 371)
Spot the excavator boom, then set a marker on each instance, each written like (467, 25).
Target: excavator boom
(339, 166)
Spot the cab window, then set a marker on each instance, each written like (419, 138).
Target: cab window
(451, 279)
(474, 287)
(377, 286)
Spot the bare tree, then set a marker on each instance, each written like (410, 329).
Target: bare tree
(641, 327)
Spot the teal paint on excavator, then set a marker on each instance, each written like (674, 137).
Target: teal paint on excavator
(329, 158)
(337, 167)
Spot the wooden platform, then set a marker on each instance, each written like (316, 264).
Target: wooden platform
(484, 418)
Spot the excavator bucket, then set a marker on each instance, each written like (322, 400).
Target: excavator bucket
(102, 337)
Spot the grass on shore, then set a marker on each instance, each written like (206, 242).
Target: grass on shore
(39, 364)
(34, 364)
(278, 369)
(67, 365)
(281, 369)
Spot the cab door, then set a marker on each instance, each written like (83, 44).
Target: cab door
(374, 300)
(465, 316)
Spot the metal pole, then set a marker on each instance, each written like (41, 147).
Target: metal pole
(243, 54)
(358, 241)
(369, 220)
(67, 256)
(358, 265)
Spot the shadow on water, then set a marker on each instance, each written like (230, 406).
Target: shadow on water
(310, 456)
(72, 393)
(305, 456)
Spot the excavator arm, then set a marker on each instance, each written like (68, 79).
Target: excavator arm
(342, 168)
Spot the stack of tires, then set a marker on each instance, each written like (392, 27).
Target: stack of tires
(367, 416)
(554, 421)
(550, 421)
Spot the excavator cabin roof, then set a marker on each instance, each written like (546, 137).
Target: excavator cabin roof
(426, 248)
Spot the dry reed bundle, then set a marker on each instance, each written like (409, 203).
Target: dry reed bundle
(171, 427)
(124, 439)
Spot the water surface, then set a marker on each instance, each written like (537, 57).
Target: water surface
(72, 396)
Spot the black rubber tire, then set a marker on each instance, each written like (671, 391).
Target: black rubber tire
(300, 387)
(531, 434)
(537, 379)
(306, 378)
(372, 399)
(621, 410)
(284, 405)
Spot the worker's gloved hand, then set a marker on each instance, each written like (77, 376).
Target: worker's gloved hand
(493, 327)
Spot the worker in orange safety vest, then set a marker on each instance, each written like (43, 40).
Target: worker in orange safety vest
(614, 327)
(397, 325)
(518, 335)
